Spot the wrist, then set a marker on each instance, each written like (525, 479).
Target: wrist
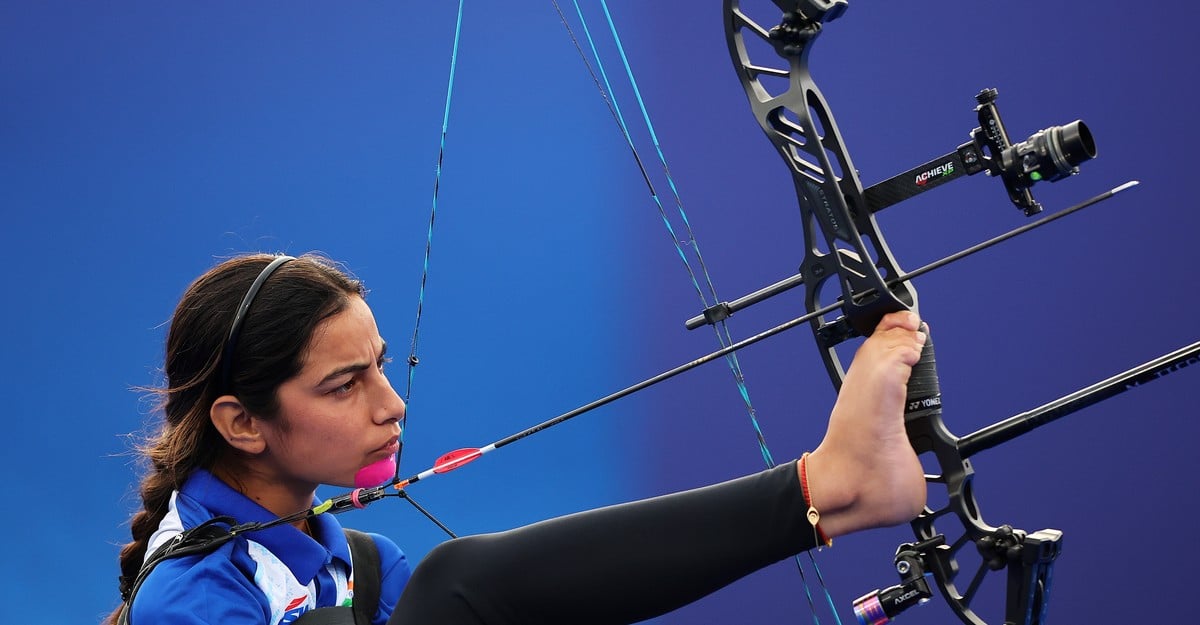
(813, 515)
(829, 493)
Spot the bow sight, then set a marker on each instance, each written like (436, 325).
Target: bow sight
(1051, 154)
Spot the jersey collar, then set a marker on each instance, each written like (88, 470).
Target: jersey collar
(204, 496)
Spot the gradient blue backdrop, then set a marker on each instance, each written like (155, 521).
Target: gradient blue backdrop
(141, 142)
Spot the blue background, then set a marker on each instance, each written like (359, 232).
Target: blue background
(141, 142)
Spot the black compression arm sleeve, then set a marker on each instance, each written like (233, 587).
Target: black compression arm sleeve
(620, 564)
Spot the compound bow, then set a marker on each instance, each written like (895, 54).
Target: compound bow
(842, 242)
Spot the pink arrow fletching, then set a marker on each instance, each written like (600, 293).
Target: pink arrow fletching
(455, 459)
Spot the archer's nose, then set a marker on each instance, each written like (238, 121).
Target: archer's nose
(391, 407)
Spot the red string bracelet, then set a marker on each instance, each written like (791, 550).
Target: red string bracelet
(814, 517)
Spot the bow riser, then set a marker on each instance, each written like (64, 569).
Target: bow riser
(841, 239)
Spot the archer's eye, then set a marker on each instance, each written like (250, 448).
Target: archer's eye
(383, 361)
(344, 388)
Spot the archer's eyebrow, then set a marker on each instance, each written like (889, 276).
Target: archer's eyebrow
(354, 368)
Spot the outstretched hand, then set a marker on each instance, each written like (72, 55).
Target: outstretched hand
(865, 473)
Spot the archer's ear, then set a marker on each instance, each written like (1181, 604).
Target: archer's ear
(236, 425)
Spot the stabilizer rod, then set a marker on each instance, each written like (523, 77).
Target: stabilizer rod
(1012, 427)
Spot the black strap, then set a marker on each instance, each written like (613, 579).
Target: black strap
(203, 538)
(364, 556)
(367, 575)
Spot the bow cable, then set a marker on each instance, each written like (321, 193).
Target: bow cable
(437, 181)
(720, 328)
(608, 96)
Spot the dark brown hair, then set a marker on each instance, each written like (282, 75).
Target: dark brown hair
(275, 333)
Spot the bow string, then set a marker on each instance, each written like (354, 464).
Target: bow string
(687, 246)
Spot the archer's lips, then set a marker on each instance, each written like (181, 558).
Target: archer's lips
(390, 447)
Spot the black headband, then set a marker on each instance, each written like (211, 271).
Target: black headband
(236, 329)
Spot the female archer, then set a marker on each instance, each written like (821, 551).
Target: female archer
(275, 384)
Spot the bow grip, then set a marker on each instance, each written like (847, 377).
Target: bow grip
(924, 392)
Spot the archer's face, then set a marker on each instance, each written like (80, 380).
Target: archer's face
(339, 413)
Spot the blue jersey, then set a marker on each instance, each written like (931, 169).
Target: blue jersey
(267, 577)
